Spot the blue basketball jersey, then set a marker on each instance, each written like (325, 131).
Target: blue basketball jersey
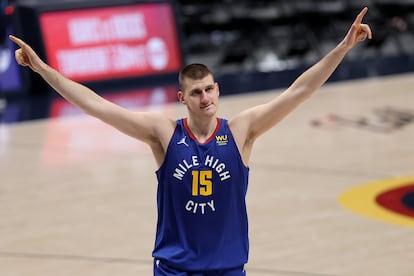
(202, 218)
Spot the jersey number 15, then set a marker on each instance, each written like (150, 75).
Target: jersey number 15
(202, 184)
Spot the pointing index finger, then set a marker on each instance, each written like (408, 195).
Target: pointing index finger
(361, 15)
(16, 40)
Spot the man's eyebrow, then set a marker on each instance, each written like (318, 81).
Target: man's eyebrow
(200, 89)
(195, 90)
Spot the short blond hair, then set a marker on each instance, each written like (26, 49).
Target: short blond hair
(194, 71)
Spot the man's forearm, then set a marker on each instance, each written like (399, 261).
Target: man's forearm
(75, 93)
(318, 74)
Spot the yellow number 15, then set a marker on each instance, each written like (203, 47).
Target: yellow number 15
(202, 184)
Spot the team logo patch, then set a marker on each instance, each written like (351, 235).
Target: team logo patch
(183, 142)
(390, 200)
(222, 140)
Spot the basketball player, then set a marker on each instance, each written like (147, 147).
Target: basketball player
(202, 159)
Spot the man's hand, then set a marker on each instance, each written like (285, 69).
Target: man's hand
(25, 56)
(358, 31)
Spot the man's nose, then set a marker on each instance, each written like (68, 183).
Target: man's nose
(203, 95)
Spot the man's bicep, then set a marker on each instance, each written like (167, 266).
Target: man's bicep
(261, 118)
(140, 125)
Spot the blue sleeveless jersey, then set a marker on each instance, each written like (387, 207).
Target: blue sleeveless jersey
(202, 218)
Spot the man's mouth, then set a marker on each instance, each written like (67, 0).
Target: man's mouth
(205, 106)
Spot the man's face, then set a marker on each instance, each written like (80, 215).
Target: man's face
(200, 96)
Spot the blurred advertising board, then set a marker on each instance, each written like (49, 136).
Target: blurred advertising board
(105, 42)
(111, 42)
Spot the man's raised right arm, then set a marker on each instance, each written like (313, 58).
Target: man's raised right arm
(140, 125)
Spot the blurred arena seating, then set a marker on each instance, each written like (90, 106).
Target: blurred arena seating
(275, 35)
(233, 36)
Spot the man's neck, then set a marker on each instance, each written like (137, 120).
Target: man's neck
(202, 129)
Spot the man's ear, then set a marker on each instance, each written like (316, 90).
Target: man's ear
(217, 87)
(180, 96)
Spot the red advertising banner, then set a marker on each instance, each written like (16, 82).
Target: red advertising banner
(112, 42)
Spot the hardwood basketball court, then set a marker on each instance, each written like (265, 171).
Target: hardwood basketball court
(78, 198)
